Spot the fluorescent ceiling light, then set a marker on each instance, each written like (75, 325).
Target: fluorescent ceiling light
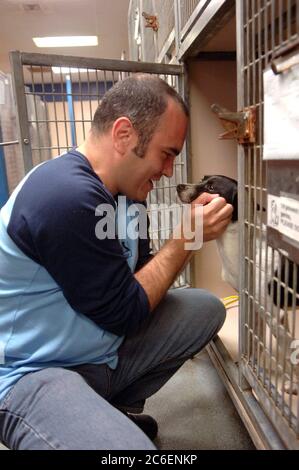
(70, 70)
(66, 41)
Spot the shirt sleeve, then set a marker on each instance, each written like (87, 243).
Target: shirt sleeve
(57, 229)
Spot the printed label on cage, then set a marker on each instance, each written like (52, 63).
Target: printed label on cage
(281, 115)
(283, 215)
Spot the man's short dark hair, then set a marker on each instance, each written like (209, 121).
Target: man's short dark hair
(141, 98)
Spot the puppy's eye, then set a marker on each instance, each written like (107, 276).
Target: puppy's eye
(210, 187)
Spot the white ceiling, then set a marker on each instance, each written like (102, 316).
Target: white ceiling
(105, 18)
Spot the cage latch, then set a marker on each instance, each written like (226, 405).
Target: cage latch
(239, 125)
(151, 21)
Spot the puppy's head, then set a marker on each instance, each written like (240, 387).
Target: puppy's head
(214, 184)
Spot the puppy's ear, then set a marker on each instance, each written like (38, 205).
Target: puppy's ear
(206, 177)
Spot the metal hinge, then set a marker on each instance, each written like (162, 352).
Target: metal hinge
(240, 126)
(151, 21)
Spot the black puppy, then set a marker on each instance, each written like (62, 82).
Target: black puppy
(214, 184)
(227, 243)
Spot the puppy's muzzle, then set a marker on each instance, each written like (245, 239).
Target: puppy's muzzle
(187, 192)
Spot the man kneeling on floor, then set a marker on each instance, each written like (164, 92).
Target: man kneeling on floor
(88, 329)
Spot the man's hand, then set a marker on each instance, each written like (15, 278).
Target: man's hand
(216, 215)
(159, 273)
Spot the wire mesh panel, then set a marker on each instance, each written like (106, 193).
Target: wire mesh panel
(148, 35)
(57, 97)
(146, 43)
(164, 9)
(269, 326)
(134, 31)
(187, 7)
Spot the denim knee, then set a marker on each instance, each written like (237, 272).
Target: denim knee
(216, 308)
(203, 309)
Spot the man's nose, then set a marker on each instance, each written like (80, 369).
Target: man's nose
(168, 169)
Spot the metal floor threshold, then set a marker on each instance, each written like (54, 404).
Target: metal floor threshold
(256, 422)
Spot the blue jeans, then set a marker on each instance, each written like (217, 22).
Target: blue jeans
(79, 408)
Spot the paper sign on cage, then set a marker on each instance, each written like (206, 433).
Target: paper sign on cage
(281, 114)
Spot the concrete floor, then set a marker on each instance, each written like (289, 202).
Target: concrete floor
(194, 411)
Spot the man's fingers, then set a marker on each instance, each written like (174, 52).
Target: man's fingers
(219, 208)
(217, 215)
(205, 198)
(217, 203)
(225, 212)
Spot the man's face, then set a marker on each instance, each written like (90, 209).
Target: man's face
(158, 160)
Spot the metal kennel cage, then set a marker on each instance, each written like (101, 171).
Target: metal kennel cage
(267, 31)
(56, 98)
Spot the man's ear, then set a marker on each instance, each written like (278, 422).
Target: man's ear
(123, 134)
